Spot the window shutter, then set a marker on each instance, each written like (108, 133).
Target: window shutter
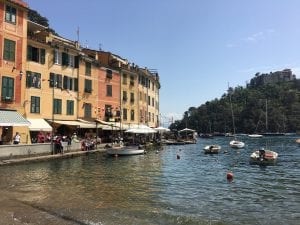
(65, 59)
(59, 80)
(75, 84)
(77, 61)
(65, 85)
(43, 55)
(28, 79)
(52, 80)
(29, 53)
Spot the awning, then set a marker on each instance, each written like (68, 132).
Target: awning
(12, 119)
(39, 125)
(76, 123)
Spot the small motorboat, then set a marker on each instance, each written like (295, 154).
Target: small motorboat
(263, 156)
(125, 150)
(298, 141)
(212, 149)
(255, 135)
(237, 144)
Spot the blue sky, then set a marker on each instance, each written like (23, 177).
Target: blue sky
(197, 46)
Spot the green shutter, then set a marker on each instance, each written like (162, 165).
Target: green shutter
(43, 56)
(29, 53)
(76, 61)
(75, 84)
(65, 84)
(52, 80)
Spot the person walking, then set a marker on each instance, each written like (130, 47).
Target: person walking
(17, 138)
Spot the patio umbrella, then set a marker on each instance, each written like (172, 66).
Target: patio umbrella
(162, 129)
(141, 130)
(186, 130)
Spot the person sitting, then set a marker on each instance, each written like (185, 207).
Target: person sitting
(262, 154)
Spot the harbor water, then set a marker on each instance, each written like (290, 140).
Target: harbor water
(158, 188)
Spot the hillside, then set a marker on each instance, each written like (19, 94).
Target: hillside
(280, 100)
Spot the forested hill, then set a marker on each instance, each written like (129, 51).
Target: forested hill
(281, 101)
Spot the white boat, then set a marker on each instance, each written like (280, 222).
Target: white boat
(263, 156)
(237, 144)
(212, 149)
(125, 150)
(298, 141)
(255, 135)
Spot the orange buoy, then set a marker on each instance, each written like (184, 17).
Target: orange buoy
(178, 156)
(229, 176)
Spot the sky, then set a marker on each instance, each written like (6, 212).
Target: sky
(198, 47)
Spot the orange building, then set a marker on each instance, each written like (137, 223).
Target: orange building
(13, 33)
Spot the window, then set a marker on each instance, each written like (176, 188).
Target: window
(132, 114)
(87, 110)
(124, 114)
(124, 96)
(33, 79)
(57, 57)
(57, 106)
(55, 80)
(88, 68)
(124, 78)
(108, 111)
(109, 90)
(141, 116)
(152, 102)
(108, 74)
(75, 84)
(68, 83)
(10, 14)
(70, 107)
(35, 104)
(9, 50)
(132, 80)
(132, 97)
(65, 59)
(149, 116)
(36, 54)
(7, 89)
(149, 100)
(71, 61)
(88, 86)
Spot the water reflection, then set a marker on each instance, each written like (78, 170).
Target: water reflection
(158, 188)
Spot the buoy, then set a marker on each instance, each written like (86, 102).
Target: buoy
(229, 176)
(178, 156)
(157, 151)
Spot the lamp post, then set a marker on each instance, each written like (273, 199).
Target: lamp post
(52, 117)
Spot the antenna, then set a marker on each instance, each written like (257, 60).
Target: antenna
(77, 34)
(100, 45)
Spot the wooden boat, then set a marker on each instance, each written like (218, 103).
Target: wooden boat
(125, 150)
(237, 144)
(212, 149)
(263, 156)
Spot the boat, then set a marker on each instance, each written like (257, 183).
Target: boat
(263, 156)
(125, 150)
(255, 135)
(237, 144)
(298, 141)
(234, 143)
(212, 149)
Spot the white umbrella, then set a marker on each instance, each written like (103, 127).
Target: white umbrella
(186, 130)
(141, 130)
(162, 129)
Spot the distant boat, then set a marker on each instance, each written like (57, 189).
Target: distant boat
(298, 141)
(255, 135)
(212, 149)
(263, 156)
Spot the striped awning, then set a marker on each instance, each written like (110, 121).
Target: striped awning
(9, 118)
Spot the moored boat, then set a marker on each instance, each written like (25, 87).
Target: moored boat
(237, 144)
(263, 156)
(125, 150)
(298, 141)
(212, 149)
(255, 135)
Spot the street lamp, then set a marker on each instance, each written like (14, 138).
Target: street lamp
(52, 119)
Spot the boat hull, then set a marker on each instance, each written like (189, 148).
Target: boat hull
(212, 149)
(270, 157)
(237, 144)
(123, 151)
